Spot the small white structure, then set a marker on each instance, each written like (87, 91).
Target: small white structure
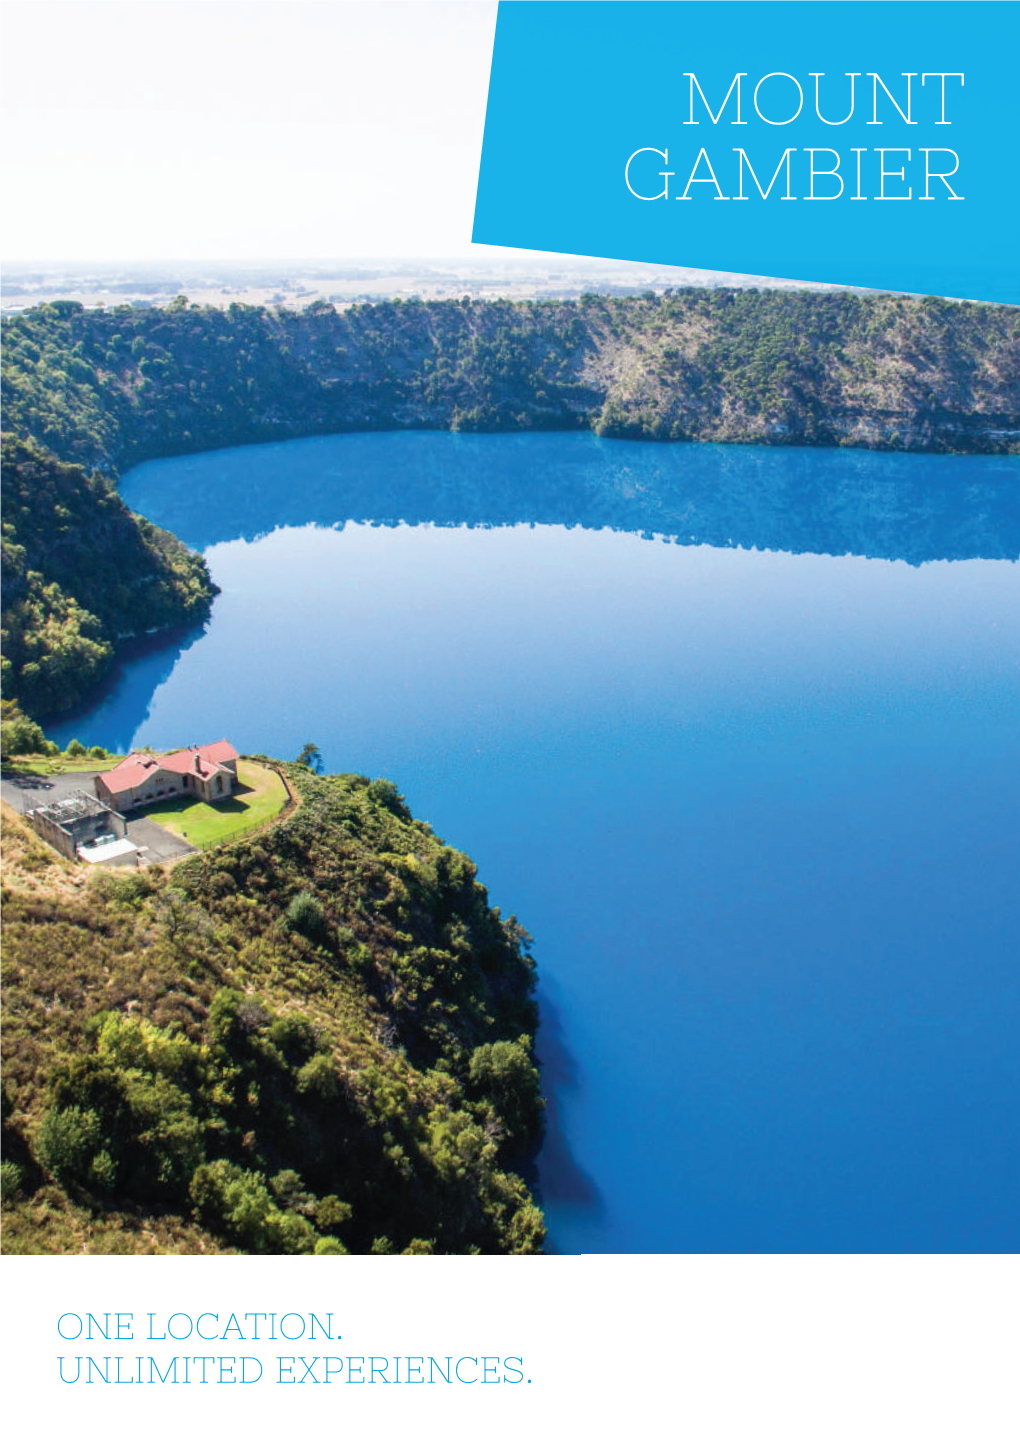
(107, 853)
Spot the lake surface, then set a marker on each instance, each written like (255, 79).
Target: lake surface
(754, 790)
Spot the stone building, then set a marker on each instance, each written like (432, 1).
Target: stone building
(207, 772)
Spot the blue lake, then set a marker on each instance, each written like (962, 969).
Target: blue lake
(733, 731)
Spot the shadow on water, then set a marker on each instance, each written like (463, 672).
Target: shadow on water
(897, 506)
(559, 1178)
(117, 707)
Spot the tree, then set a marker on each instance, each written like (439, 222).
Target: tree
(311, 757)
(504, 1074)
(67, 1141)
(18, 734)
(178, 915)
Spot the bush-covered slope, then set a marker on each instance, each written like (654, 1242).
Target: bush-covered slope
(315, 1040)
(80, 572)
(110, 388)
(104, 389)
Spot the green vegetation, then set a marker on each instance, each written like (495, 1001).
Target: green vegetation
(315, 1040)
(88, 393)
(24, 748)
(318, 1038)
(20, 735)
(58, 763)
(260, 797)
(110, 388)
(80, 572)
(311, 757)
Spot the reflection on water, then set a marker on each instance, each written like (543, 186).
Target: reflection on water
(115, 711)
(795, 500)
(756, 796)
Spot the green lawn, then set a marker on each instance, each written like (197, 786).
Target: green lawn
(260, 795)
(44, 764)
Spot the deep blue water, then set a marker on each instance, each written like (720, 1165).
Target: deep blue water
(754, 791)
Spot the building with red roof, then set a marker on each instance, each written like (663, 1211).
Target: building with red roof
(207, 772)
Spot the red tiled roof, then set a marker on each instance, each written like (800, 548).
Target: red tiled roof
(220, 752)
(131, 772)
(191, 761)
(136, 768)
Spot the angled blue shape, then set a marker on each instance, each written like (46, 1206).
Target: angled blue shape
(578, 90)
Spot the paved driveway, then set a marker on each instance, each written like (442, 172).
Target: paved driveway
(159, 844)
(29, 791)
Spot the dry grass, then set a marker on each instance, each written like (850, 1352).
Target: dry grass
(29, 863)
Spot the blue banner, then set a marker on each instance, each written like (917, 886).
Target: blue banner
(858, 143)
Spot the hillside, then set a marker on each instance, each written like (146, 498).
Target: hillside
(80, 574)
(319, 1039)
(111, 388)
(316, 1040)
(88, 393)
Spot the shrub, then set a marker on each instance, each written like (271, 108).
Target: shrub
(306, 915)
(503, 1074)
(117, 886)
(526, 1233)
(385, 793)
(240, 1203)
(289, 1189)
(235, 1019)
(289, 1234)
(10, 1181)
(103, 1171)
(318, 1075)
(19, 735)
(360, 957)
(235, 1199)
(75, 750)
(295, 1037)
(332, 1213)
(67, 1141)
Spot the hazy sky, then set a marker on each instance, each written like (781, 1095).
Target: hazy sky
(157, 129)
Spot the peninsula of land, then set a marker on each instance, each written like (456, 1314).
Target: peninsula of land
(313, 1039)
(319, 1038)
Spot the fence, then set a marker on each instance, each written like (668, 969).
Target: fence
(262, 824)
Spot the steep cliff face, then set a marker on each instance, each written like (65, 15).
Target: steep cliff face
(112, 388)
(913, 374)
(106, 389)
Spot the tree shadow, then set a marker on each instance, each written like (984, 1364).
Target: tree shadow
(560, 1178)
(27, 780)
